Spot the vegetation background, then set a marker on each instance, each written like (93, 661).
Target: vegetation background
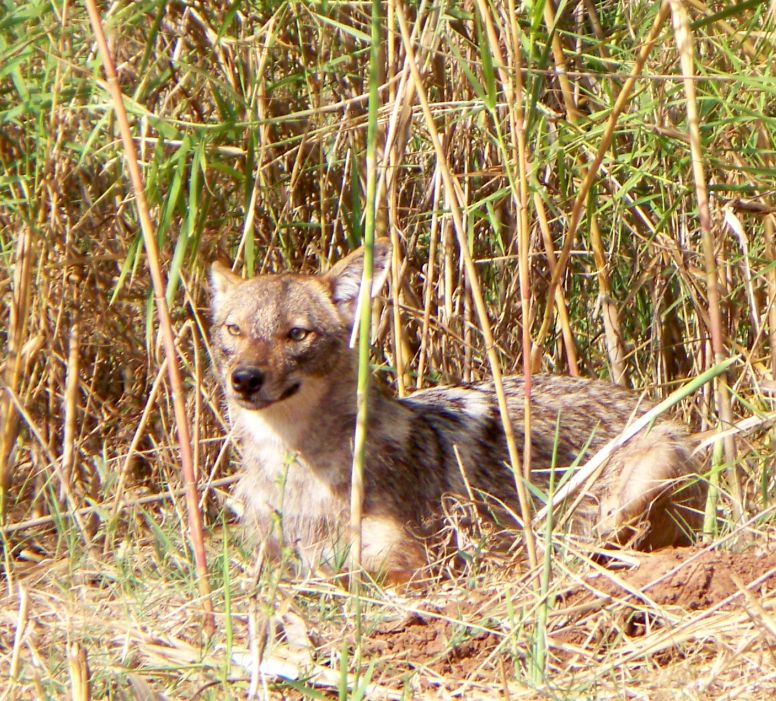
(655, 215)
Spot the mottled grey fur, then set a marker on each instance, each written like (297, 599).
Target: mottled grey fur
(281, 352)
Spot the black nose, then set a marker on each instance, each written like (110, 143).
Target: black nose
(247, 380)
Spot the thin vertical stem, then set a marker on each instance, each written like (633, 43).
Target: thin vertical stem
(523, 241)
(365, 306)
(684, 45)
(163, 313)
(587, 183)
(19, 313)
(452, 190)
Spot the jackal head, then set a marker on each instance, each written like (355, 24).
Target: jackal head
(273, 333)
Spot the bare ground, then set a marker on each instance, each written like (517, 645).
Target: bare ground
(671, 604)
(697, 621)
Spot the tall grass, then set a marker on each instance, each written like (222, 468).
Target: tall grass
(251, 123)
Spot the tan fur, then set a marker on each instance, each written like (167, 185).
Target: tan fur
(281, 352)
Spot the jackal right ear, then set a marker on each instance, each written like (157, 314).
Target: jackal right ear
(345, 277)
(222, 281)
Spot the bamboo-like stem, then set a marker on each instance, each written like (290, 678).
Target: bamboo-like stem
(587, 183)
(365, 308)
(572, 113)
(770, 252)
(769, 229)
(71, 401)
(523, 239)
(398, 334)
(684, 45)
(401, 98)
(22, 622)
(612, 334)
(163, 313)
(452, 189)
(560, 297)
(611, 320)
(9, 416)
(428, 283)
(80, 676)
(514, 95)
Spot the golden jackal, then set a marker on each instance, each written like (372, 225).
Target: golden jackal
(281, 347)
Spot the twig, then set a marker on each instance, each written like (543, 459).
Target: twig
(119, 506)
(17, 323)
(754, 608)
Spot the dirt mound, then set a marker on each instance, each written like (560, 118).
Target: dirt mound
(695, 578)
(611, 607)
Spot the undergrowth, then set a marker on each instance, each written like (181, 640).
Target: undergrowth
(251, 124)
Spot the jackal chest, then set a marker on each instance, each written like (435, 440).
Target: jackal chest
(277, 478)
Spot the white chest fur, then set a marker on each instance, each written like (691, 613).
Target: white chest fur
(275, 477)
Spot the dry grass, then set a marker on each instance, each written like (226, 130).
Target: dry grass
(250, 123)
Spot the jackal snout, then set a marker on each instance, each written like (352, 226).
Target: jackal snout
(246, 381)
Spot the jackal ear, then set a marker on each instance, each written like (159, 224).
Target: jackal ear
(345, 277)
(222, 281)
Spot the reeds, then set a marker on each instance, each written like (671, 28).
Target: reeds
(566, 197)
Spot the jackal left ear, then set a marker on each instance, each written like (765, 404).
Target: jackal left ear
(345, 277)
(222, 281)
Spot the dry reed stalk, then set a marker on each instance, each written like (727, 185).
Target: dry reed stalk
(755, 609)
(452, 191)
(428, 282)
(22, 620)
(198, 375)
(524, 236)
(80, 677)
(769, 227)
(395, 141)
(165, 323)
(770, 252)
(684, 46)
(514, 96)
(398, 332)
(587, 183)
(69, 452)
(561, 71)
(465, 299)
(386, 186)
(612, 334)
(17, 325)
(560, 297)
(609, 313)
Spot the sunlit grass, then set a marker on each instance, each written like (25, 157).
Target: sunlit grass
(251, 122)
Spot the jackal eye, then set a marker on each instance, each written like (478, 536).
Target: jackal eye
(298, 333)
(233, 330)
